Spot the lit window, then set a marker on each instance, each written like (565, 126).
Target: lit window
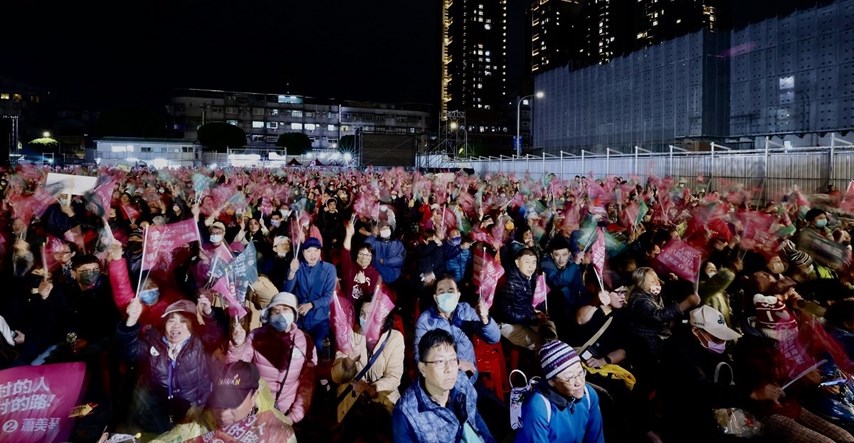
(310, 126)
(330, 127)
(296, 114)
(272, 125)
(296, 126)
(4, 96)
(257, 124)
(274, 111)
(487, 26)
(232, 122)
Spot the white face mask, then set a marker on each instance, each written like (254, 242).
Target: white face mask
(216, 238)
(655, 289)
(385, 233)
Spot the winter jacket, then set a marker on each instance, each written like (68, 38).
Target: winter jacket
(384, 374)
(429, 258)
(567, 281)
(292, 380)
(172, 386)
(650, 319)
(463, 323)
(315, 285)
(417, 418)
(570, 420)
(389, 256)
(457, 261)
(514, 298)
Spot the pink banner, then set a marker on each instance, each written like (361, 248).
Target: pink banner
(35, 402)
(381, 307)
(131, 213)
(342, 322)
(163, 239)
(263, 427)
(597, 251)
(681, 259)
(488, 271)
(540, 291)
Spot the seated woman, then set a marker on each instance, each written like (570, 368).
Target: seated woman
(175, 370)
(372, 375)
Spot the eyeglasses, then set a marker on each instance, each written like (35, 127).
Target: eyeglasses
(574, 377)
(442, 363)
(61, 252)
(362, 254)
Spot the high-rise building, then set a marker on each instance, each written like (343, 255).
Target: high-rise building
(474, 56)
(584, 33)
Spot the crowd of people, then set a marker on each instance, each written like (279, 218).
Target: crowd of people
(391, 305)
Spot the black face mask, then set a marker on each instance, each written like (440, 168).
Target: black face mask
(88, 278)
(135, 246)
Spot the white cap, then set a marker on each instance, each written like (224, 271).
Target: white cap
(710, 320)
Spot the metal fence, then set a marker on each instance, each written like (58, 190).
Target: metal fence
(771, 171)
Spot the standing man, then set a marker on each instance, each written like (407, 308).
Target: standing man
(313, 282)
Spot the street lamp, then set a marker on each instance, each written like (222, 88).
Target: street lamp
(518, 139)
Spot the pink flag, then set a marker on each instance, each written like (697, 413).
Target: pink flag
(75, 235)
(487, 272)
(847, 204)
(681, 259)
(225, 288)
(130, 212)
(381, 307)
(342, 321)
(38, 400)
(540, 290)
(163, 239)
(41, 200)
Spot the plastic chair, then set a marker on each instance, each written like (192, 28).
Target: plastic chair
(491, 366)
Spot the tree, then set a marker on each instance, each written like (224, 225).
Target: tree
(44, 144)
(220, 136)
(296, 143)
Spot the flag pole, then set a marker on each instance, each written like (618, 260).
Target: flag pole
(45, 272)
(142, 266)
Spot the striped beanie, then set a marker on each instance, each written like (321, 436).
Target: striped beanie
(555, 357)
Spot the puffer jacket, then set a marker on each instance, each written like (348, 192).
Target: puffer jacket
(294, 398)
(457, 261)
(172, 386)
(417, 418)
(389, 256)
(514, 297)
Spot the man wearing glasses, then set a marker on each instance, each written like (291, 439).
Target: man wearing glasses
(441, 406)
(562, 408)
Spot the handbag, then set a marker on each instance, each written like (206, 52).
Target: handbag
(735, 421)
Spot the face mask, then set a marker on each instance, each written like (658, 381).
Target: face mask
(275, 223)
(821, 223)
(282, 254)
(134, 246)
(149, 297)
(88, 278)
(362, 322)
(281, 322)
(216, 238)
(777, 268)
(717, 348)
(655, 289)
(456, 241)
(447, 302)
(385, 233)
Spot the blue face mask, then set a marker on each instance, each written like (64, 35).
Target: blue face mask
(456, 241)
(821, 223)
(149, 297)
(362, 323)
(447, 302)
(216, 238)
(281, 322)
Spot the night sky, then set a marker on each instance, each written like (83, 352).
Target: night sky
(108, 52)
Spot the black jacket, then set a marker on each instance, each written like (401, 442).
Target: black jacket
(514, 297)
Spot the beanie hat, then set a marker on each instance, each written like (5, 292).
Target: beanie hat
(798, 258)
(772, 313)
(555, 357)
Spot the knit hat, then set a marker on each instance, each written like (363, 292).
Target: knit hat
(772, 313)
(282, 298)
(555, 357)
(798, 258)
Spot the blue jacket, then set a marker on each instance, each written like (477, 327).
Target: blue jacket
(571, 421)
(457, 261)
(315, 285)
(417, 418)
(567, 280)
(392, 254)
(464, 322)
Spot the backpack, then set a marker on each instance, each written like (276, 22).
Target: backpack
(518, 395)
